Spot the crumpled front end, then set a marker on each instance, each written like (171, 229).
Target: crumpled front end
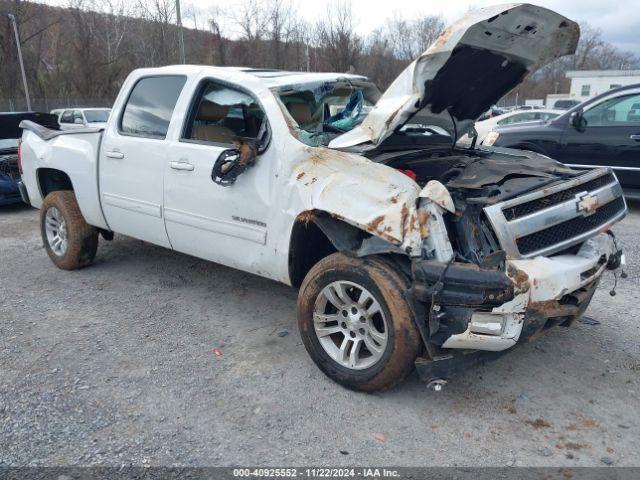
(528, 286)
(548, 291)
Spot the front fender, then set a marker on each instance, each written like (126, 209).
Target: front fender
(373, 197)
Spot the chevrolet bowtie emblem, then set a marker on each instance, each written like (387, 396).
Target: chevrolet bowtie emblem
(587, 204)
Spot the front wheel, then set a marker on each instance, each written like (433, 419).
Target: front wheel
(70, 242)
(356, 323)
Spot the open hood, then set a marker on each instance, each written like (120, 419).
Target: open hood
(473, 64)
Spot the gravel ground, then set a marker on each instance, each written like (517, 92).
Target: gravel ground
(115, 365)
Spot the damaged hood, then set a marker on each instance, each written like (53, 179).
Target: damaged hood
(474, 63)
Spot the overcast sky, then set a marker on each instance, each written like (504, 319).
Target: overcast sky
(618, 19)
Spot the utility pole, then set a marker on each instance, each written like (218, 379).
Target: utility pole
(180, 35)
(24, 76)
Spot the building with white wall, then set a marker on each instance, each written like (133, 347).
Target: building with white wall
(586, 84)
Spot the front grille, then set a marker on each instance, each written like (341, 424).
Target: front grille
(552, 219)
(9, 166)
(533, 206)
(570, 229)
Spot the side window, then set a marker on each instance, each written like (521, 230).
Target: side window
(67, 117)
(614, 112)
(527, 117)
(77, 117)
(586, 90)
(150, 105)
(221, 114)
(516, 118)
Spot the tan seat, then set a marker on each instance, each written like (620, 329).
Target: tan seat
(212, 112)
(301, 113)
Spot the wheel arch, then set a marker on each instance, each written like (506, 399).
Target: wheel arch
(51, 180)
(317, 234)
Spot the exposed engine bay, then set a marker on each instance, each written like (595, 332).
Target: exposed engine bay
(476, 178)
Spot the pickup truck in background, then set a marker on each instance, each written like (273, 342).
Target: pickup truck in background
(408, 250)
(75, 118)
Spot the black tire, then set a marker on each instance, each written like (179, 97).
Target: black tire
(82, 238)
(389, 288)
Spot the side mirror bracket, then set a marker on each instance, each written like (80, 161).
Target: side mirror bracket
(233, 162)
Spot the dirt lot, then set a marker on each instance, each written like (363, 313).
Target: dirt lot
(115, 364)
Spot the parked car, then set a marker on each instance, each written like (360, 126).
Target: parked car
(10, 134)
(528, 107)
(602, 132)
(516, 116)
(74, 118)
(407, 250)
(565, 104)
(494, 111)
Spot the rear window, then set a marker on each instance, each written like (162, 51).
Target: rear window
(150, 106)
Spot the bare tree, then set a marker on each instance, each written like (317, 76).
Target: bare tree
(218, 40)
(408, 38)
(338, 46)
(162, 49)
(250, 19)
(81, 53)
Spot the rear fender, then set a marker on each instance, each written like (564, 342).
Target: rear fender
(74, 154)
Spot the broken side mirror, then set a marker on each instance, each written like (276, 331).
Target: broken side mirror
(578, 121)
(233, 162)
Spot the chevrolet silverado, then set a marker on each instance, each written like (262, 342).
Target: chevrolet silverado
(408, 251)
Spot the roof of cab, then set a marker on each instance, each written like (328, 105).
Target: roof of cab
(271, 78)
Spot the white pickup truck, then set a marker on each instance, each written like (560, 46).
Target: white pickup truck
(408, 250)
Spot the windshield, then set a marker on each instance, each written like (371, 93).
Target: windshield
(6, 143)
(96, 116)
(323, 110)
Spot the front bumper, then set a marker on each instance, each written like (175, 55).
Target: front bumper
(547, 291)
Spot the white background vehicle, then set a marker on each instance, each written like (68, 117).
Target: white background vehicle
(407, 251)
(75, 118)
(510, 118)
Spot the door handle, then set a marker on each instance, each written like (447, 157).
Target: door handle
(114, 154)
(635, 137)
(181, 166)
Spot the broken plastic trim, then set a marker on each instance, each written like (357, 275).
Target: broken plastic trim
(233, 162)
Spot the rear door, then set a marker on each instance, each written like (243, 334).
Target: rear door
(611, 138)
(133, 157)
(224, 224)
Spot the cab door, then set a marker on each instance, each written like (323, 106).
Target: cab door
(225, 224)
(133, 157)
(610, 137)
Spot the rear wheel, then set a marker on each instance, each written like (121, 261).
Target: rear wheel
(356, 323)
(69, 241)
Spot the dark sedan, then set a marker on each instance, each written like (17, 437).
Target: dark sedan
(603, 131)
(10, 134)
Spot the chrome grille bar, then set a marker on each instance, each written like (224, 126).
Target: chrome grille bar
(583, 204)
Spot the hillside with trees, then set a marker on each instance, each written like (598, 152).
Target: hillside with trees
(81, 53)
